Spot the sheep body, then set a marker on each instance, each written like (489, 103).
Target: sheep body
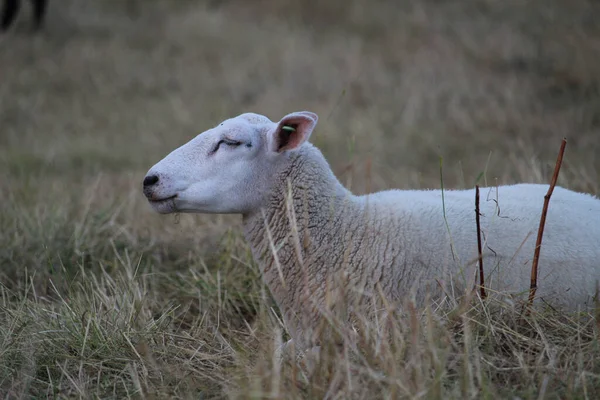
(400, 240)
(304, 226)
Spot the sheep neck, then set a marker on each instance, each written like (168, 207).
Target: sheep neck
(292, 236)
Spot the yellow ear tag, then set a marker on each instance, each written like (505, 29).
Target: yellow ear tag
(288, 128)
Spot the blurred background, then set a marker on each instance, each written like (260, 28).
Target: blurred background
(107, 88)
(484, 88)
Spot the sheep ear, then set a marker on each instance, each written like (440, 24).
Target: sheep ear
(293, 130)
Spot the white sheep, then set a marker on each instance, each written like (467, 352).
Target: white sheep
(303, 224)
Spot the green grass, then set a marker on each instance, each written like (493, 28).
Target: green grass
(102, 298)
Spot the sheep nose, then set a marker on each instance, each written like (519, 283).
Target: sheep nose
(150, 180)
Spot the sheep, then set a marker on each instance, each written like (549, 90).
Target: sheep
(303, 225)
(11, 8)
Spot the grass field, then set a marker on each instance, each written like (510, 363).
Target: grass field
(102, 298)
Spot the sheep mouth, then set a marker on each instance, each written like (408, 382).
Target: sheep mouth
(165, 205)
(163, 200)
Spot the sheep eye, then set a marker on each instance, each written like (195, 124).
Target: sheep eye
(232, 143)
(227, 142)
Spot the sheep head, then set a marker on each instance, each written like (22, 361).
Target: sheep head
(226, 169)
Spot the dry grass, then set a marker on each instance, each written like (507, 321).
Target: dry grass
(102, 298)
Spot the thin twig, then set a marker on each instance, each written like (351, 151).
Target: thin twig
(454, 252)
(538, 244)
(481, 277)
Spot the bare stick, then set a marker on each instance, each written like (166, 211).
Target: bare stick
(481, 278)
(538, 244)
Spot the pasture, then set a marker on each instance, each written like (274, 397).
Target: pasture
(100, 297)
